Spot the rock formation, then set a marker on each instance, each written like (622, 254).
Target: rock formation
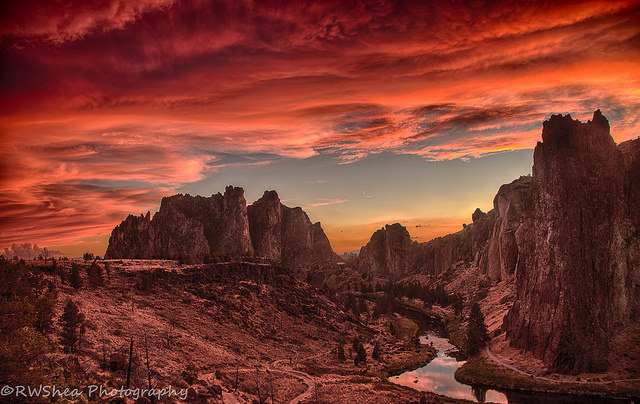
(578, 272)
(568, 238)
(199, 227)
(265, 225)
(191, 226)
(388, 252)
(286, 234)
(488, 243)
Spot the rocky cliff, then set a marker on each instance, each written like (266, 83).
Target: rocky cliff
(578, 272)
(488, 243)
(286, 234)
(199, 227)
(567, 238)
(388, 252)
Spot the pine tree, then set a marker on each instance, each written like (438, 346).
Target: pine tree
(107, 269)
(340, 351)
(75, 279)
(361, 353)
(377, 352)
(477, 333)
(94, 273)
(45, 310)
(71, 321)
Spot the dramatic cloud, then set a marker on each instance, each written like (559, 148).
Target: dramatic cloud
(29, 251)
(105, 105)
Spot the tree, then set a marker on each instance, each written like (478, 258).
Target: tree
(94, 273)
(477, 333)
(377, 352)
(361, 353)
(88, 256)
(107, 269)
(71, 321)
(75, 279)
(340, 352)
(45, 310)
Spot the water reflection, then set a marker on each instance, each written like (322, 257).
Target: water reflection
(438, 375)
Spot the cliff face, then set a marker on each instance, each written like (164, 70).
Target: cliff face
(388, 252)
(577, 275)
(222, 224)
(567, 238)
(265, 225)
(286, 234)
(487, 244)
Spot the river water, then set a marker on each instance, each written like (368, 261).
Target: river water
(438, 377)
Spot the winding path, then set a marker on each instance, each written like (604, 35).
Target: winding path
(507, 365)
(311, 385)
(230, 398)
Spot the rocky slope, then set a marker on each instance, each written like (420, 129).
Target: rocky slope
(566, 238)
(200, 228)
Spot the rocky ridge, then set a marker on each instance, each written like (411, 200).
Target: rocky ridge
(200, 228)
(487, 243)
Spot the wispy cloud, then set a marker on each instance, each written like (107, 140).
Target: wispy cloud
(325, 202)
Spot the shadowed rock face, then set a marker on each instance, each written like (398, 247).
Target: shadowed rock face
(388, 252)
(222, 224)
(286, 234)
(265, 225)
(577, 274)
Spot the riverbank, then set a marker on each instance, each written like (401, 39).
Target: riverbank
(481, 371)
(423, 356)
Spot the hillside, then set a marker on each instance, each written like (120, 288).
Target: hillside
(200, 323)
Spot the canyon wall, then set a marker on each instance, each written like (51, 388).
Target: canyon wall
(577, 279)
(567, 238)
(487, 243)
(198, 227)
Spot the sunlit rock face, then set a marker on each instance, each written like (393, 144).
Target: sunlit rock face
(185, 225)
(578, 261)
(197, 227)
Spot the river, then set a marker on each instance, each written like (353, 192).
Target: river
(438, 377)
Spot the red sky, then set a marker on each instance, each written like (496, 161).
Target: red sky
(362, 112)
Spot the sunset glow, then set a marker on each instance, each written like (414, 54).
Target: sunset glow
(363, 114)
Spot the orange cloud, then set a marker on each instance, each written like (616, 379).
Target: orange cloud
(113, 99)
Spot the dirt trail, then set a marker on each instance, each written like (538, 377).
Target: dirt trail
(507, 365)
(230, 398)
(311, 385)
